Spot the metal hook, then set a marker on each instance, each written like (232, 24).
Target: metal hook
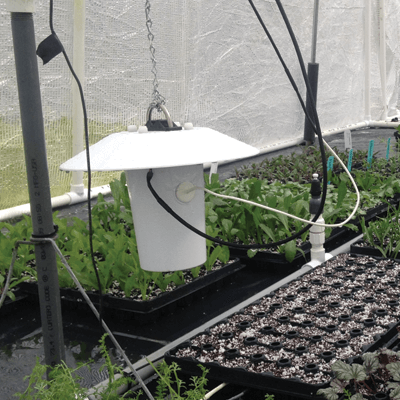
(163, 109)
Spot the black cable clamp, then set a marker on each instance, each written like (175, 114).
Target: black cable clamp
(52, 235)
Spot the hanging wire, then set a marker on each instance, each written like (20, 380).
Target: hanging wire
(158, 99)
(89, 171)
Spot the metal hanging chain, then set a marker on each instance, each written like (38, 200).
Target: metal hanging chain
(158, 99)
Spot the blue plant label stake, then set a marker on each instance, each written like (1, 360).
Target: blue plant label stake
(388, 150)
(350, 162)
(330, 164)
(370, 152)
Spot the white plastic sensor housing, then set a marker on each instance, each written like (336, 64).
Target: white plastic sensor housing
(176, 159)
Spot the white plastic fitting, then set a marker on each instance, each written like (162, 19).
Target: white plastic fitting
(143, 129)
(185, 192)
(317, 240)
(22, 6)
(188, 125)
(132, 128)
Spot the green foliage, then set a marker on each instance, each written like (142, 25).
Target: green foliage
(298, 166)
(234, 221)
(354, 379)
(384, 233)
(63, 382)
(114, 236)
(272, 181)
(171, 386)
(23, 265)
(115, 250)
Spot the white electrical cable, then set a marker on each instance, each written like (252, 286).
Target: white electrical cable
(293, 216)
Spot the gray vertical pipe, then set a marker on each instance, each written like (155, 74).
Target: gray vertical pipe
(38, 183)
(312, 72)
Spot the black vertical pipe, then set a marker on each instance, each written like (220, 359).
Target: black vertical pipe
(38, 183)
(312, 72)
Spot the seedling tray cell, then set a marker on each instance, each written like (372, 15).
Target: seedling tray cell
(286, 342)
(147, 310)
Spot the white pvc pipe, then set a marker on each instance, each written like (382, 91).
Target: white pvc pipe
(65, 200)
(314, 32)
(77, 113)
(382, 54)
(22, 6)
(367, 61)
(59, 201)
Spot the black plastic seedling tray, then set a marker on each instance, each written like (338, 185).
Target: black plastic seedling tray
(286, 342)
(125, 308)
(9, 305)
(360, 248)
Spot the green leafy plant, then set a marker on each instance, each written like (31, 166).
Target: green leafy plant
(115, 250)
(63, 382)
(239, 222)
(23, 269)
(234, 221)
(169, 383)
(379, 372)
(384, 233)
(298, 166)
(171, 386)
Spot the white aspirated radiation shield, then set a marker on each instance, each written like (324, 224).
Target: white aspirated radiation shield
(176, 158)
(164, 244)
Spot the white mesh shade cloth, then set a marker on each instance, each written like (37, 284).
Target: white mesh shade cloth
(215, 68)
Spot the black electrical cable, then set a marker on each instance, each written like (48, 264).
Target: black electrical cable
(88, 165)
(169, 210)
(287, 71)
(316, 127)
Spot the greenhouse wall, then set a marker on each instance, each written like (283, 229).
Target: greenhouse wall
(215, 68)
